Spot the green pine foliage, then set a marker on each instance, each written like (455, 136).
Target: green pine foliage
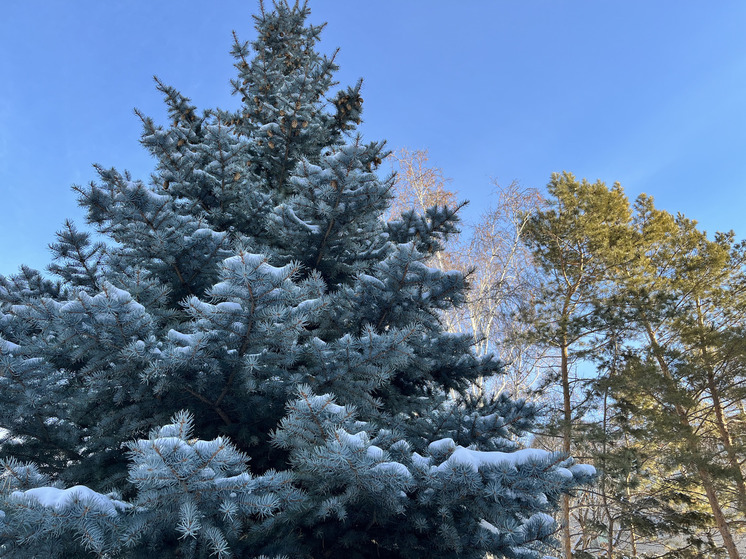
(254, 362)
(656, 307)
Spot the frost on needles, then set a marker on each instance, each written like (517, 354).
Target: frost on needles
(253, 364)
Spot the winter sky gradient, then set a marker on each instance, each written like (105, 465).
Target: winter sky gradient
(650, 94)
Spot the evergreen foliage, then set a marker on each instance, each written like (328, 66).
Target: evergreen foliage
(658, 308)
(575, 240)
(254, 283)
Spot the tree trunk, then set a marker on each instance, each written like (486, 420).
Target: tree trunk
(632, 534)
(704, 475)
(566, 439)
(722, 426)
(610, 545)
(604, 495)
(633, 540)
(720, 520)
(727, 443)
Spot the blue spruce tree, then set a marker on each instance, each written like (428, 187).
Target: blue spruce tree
(253, 364)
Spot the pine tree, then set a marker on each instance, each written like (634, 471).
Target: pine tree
(254, 363)
(574, 240)
(682, 295)
(663, 307)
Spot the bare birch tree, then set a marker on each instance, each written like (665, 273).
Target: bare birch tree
(492, 255)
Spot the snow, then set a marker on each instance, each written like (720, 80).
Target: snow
(442, 445)
(583, 470)
(334, 408)
(8, 347)
(375, 452)
(242, 260)
(115, 293)
(242, 481)
(294, 217)
(393, 467)
(272, 126)
(476, 458)
(63, 498)
(307, 306)
(71, 307)
(327, 404)
(207, 448)
(186, 339)
(365, 278)
(420, 460)
(358, 440)
(489, 527)
(207, 472)
(277, 274)
(206, 232)
(167, 442)
(564, 472)
(222, 289)
(229, 306)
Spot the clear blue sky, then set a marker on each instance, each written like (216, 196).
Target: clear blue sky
(648, 93)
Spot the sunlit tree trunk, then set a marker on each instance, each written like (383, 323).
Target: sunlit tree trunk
(717, 406)
(704, 475)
